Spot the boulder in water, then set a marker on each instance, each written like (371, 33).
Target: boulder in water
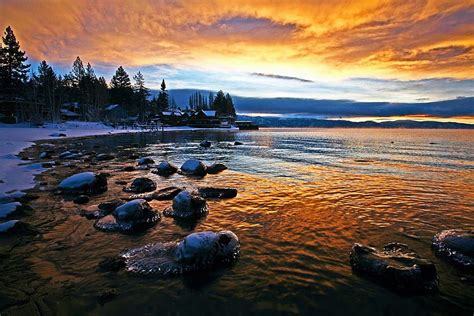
(145, 161)
(8, 209)
(167, 193)
(237, 143)
(84, 182)
(103, 157)
(129, 168)
(81, 199)
(141, 185)
(196, 252)
(45, 155)
(165, 169)
(396, 267)
(217, 193)
(194, 167)
(133, 216)
(456, 245)
(187, 205)
(216, 168)
(205, 144)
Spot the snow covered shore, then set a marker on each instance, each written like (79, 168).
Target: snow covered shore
(17, 175)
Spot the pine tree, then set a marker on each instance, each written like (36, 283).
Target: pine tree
(47, 83)
(163, 103)
(121, 90)
(211, 100)
(229, 106)
(13, 69)
(141, 94)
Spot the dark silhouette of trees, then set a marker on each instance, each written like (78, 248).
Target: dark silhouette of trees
(198, 102)
(141, 94)
(121, 91)
(47, 84)
(223, 105)
(163, 102)
(13, 69)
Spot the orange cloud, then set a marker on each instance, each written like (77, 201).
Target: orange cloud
(310, 39)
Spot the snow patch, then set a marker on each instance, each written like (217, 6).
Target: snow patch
(8, 208)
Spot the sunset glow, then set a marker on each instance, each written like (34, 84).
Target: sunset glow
(395, 51)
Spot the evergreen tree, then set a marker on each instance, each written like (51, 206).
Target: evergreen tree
(121, 91)
(163, 103)
(211, 100)
(141, 94)
(229, 106)
(47, 83)
(13, 69)
(223, 104)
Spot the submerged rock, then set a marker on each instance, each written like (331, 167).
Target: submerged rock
(217, 193)
(81, 199)
(133, 216)
(45, 155)
(15, 226)
(103, 157)
(141, 185)
(216, 168)
(145, 161)
(456, 245)
(129, 168)
(85, 182)
(187, 205)
(194, 167)
(237, 143)
(166, 169)
(396, 267)
(8, 209)
(205, 144)
(167, 193)
(197, 252)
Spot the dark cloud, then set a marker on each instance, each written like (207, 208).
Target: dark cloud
(259, 74)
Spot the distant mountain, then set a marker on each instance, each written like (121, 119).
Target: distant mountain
(309, 122)
(342, 108)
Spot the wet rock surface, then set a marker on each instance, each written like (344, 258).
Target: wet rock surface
(104, 157)
(165, 169)
(141, 185)
(167, 193)
(145, 161)
(457, 246)
(196, 252)
(85, 183)
(194, 167)
(188, 206)
(205, 144)
(82, 199)
(216, 168)
(396, 267)
(217, 193)
(134, 216)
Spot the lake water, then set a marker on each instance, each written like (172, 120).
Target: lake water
(304, 197)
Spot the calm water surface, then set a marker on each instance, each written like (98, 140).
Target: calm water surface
(305, 196)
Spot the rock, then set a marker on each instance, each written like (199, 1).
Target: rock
(237, 143)
(205, 144)
(396, 267)
(81, 199)
(8, 209)
(11, 197)
(198, 251)
(141, 185)
(121, 182)
(57, 135)
(45, 155)
(129, 168)
(85, 182)
(111, 264)
(217, 193)
(187, 205)
(165, 169)
(133, 216)
(65, 154)
(160, 195)
(456, 245)
(103, 157)
(194, 167)
(106, 296)
(216, 168)
(145, 161)
(110, 206)
(15, 226)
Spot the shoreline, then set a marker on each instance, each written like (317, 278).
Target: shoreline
(17, 175)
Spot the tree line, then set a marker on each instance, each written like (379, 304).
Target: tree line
(82, 86)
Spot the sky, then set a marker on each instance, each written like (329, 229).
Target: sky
(387, 51)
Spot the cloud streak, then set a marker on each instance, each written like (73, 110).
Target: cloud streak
(259, 74)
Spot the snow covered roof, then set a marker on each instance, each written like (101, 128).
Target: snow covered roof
(170, 113)
(209, 113)
(68, 113)
(112, 107)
